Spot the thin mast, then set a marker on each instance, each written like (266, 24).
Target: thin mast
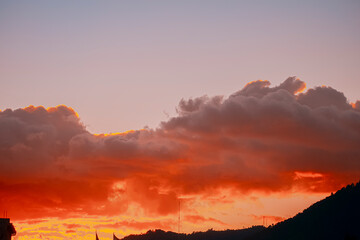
(179, 217)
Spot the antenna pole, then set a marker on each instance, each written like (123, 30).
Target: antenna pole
(179, 217)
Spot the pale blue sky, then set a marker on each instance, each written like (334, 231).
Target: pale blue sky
(125, 64)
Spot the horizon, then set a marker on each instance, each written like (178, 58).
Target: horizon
(112, 113)
(264, 223)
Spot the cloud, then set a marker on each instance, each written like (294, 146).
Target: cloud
(197, 219)
(324, 97)
(33, 141)
(261, 138)
(138, 225)
(261, 88)
(84, 228)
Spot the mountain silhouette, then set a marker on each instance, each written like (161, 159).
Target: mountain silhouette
(335, 217)
(208, 235)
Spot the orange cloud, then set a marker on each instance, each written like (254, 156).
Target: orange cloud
(200, 219)
(139, 225)
(261, 138)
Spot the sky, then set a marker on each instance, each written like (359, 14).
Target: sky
(113, 113)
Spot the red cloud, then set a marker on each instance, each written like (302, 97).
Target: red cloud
(72, 226)
(260, 138)
(201, 219)
(137, 225)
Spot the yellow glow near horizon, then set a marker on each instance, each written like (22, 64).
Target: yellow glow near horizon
(116, 133)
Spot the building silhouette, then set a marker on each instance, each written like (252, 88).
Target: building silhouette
(7, 229)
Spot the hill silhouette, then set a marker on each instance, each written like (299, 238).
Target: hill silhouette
(335, 217)
(208, 235)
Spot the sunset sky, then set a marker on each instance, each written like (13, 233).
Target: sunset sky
(114, 112)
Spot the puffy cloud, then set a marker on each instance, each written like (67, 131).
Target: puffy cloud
(34, 140)
(261, 138)
(261, 88)
(192, 105)
(324, 97)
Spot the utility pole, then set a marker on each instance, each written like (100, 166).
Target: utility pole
(179, 216)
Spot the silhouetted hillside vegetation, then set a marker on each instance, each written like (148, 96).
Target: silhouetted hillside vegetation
(335, 217)
(208, 235)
